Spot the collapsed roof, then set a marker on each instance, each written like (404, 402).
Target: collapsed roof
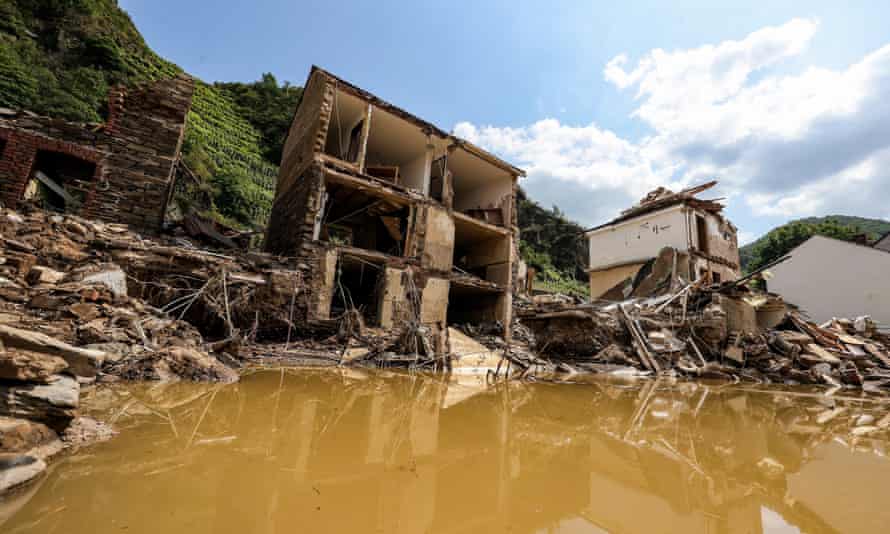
(661, 198)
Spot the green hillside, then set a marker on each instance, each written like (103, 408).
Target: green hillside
(553, 245)
(59, 57)
(781, 240)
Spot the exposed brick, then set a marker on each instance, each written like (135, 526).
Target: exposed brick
(134, 152)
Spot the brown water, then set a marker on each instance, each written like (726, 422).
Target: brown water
(348, 451)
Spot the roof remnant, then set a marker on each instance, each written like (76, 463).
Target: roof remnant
(662, 197)
(426, 126)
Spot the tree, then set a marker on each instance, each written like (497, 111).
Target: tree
(268, 107)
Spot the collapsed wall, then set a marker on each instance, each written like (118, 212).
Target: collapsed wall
(121, 171)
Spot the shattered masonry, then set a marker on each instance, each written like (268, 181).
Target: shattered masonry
(621, 249)
(121, 171)
(398, 219)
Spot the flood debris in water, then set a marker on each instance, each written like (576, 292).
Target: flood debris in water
(399, 452)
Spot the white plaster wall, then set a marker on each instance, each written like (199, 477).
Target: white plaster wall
(639, 239)
(414, 172)
(488, 195)
(830, 278)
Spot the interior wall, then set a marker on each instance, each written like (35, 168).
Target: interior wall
(488, 258)
(489, 195)
(395, 142)
(478, 184)
(347, 115)
(722, 238)
(393, 300)
(415, 173)
(327, 265)
(438, 247)
(434, 301)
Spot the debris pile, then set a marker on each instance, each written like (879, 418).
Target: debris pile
(723, 331)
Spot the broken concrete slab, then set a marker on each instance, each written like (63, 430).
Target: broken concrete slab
(468, 355)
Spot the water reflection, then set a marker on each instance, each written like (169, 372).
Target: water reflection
(332, 451)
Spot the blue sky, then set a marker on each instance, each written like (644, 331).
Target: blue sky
(778, 100)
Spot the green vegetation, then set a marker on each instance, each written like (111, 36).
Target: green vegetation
(268, 107)
(59, 58)
(782, 240)
(554, 246)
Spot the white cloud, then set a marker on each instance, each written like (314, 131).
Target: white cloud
(782, 144)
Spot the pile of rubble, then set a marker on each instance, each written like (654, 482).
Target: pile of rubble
(68, 317)
(725, 331)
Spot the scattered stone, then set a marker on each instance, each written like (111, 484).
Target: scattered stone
(53, 404)
(20, 435)
(44, 275)
(24, 365)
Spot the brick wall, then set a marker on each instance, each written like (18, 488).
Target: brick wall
(146, 136)
(134, 154)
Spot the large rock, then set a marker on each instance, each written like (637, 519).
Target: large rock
(29, 366)
(83, 362)
(53, 404)
(17, 470)
(172, 363)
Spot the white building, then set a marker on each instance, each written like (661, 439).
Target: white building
(619, 248)
(828, 278)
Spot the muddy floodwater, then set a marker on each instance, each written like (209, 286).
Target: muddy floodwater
(356, 451)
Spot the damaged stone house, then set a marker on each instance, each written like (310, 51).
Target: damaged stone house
(622, 249)
(393, 216)
(120, 171)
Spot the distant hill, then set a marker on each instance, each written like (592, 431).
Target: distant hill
(782, 239)
(554, 246)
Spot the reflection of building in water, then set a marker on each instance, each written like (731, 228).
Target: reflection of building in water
(348, 452)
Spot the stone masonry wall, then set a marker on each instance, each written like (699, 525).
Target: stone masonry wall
(134, 153)
(146, 137)
(306, 137)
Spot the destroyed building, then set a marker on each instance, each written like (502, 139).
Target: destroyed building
(396, 218)
(621, 249)
(120, 171)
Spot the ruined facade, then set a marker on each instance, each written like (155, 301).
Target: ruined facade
(121, 171)
(395, 217)
(696, 228)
